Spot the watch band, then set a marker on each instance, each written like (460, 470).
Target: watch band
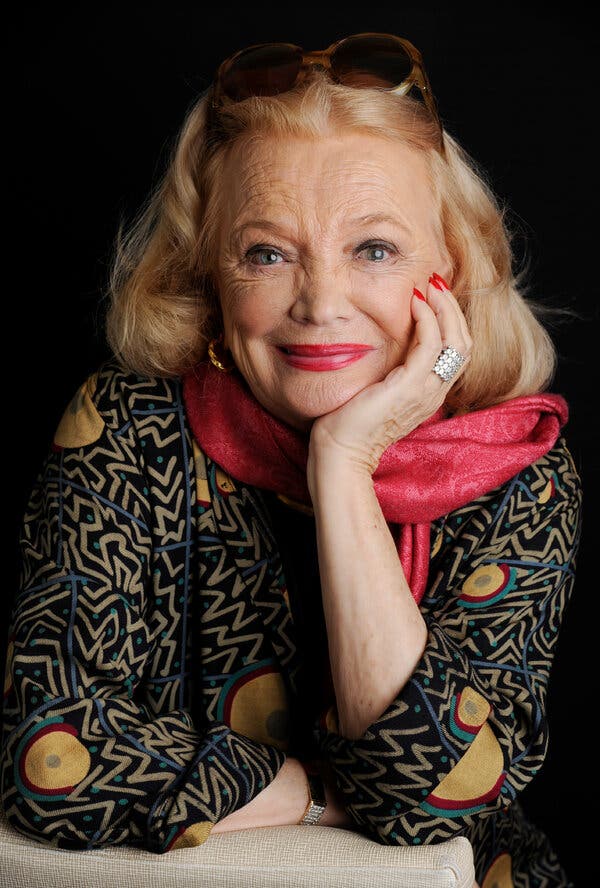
(317, 799)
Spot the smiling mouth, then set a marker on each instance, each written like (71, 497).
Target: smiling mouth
(322, 358)
(319, 351)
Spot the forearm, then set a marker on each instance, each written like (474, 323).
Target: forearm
(376, 633)
(482, 729)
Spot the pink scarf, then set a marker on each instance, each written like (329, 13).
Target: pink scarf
(441, 465)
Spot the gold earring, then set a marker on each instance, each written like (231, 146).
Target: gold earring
(215, 359)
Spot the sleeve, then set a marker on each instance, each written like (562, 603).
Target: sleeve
(468, 731)
(84, 760)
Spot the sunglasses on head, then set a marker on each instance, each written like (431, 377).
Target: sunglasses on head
(381, 61)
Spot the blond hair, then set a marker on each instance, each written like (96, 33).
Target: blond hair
(164, 307)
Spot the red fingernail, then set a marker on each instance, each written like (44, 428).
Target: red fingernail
(435, 283)
(419, 295)
(440, 280)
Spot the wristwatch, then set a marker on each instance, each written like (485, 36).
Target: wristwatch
(316, 790)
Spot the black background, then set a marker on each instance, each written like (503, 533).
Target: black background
(96, 95)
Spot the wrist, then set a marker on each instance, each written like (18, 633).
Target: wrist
(316, 806)
(328, 466)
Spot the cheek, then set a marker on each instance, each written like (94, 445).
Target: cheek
(249, 311)
(392, 313)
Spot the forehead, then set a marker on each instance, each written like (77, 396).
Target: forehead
(342, 173)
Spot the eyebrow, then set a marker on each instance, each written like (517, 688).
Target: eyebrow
(237, 232)
(367, 219)
(376, 218)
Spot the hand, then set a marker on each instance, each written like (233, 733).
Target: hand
(382, 413)
(281, 803)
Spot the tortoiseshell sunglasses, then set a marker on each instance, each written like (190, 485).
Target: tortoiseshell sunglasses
(367, 60)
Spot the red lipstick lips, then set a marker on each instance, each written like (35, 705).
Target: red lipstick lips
(323, 357)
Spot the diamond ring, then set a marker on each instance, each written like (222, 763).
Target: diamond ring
(448, 363)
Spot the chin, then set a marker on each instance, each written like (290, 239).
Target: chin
(303, 407)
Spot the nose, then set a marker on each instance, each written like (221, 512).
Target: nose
(322, 299)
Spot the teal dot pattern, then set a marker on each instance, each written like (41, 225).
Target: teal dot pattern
(200, 595)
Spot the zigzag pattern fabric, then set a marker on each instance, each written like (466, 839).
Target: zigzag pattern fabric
(153, 665)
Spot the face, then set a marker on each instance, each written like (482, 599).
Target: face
(321, 243)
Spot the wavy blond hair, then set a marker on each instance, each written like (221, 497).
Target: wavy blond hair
(164, 306)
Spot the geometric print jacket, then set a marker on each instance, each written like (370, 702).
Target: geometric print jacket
(152, 655)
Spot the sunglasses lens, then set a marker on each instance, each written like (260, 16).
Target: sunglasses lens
(262, 71)
(371, 61)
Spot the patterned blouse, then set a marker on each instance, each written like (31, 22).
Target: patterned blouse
(167, 637)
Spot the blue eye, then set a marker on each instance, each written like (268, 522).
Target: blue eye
(377, 249)
(264, 253)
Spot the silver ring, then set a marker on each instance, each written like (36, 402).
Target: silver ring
(448, 363)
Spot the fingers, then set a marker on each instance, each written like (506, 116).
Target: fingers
(453, 325)
(439, 322)
(427, 340)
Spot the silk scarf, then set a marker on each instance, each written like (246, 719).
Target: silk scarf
(441, 465)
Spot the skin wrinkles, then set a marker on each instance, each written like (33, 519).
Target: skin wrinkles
(278, 201)
(237, 236)
(321, 288)
(289, 209)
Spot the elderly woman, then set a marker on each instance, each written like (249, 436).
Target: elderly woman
(300, 549)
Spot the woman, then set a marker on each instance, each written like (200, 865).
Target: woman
(317, 519)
